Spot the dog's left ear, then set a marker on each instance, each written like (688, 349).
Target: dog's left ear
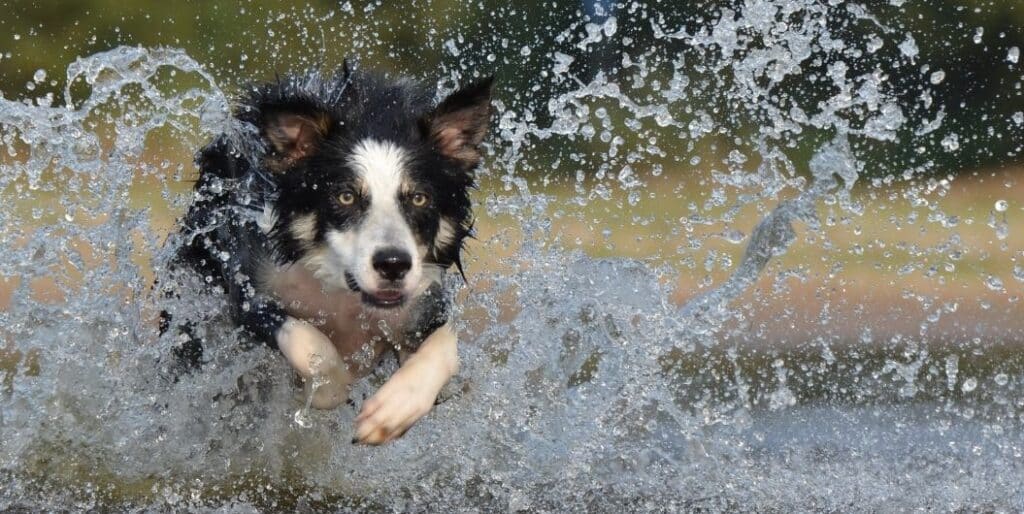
(459, 123)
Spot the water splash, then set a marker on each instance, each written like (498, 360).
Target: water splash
(584, 385)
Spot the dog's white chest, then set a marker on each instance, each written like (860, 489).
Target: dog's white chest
(359, 334)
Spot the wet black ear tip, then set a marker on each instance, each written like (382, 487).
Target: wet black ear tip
(486, 84)
(477, 89)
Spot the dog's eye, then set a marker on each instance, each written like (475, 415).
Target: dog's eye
(347, 198)
(420, 199)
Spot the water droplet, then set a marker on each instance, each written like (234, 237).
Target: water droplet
(1002, 379)
(951, 143)
(937, 77)
(1013, 55)
(969, 385)
(909, 47)
(611, 25)
(875, 44)
(452, 48)
(994, 283)
(633, 198)
(39, 76)
(733, 236)
(1002, 230)
(978, 32)
(301, 419)
(1002, 205)
(952, 368)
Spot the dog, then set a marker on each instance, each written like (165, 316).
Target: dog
(330, 225)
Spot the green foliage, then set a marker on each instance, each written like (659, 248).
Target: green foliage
(253, 40)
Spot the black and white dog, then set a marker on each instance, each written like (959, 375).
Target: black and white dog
(330, 227)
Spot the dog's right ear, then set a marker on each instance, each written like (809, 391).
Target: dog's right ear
(293, 135)
(459, 123)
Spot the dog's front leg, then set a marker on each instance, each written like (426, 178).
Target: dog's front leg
(316, 359)
(410, 393)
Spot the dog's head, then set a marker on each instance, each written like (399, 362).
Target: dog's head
(373, 179)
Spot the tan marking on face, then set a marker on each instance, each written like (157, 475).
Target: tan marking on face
(445, 234)
(303, 228)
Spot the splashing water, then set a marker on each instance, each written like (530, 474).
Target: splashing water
(589, 380)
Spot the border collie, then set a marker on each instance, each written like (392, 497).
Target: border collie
(330, 226)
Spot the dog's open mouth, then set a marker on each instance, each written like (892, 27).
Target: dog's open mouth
(387, 298)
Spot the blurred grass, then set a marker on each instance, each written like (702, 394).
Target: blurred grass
(663, 227)
(240, 42)
(890, 234)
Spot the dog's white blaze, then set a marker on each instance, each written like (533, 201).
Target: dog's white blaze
(381, 166)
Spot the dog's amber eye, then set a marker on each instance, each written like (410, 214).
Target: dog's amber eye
(347, 198)
(419, 199)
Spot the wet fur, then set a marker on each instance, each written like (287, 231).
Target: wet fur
(271, 228)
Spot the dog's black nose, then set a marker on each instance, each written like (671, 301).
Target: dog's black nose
(392, 263)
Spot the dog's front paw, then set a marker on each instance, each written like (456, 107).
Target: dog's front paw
(316, 360)
(397, 406)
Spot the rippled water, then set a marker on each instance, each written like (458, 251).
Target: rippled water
(586, 383)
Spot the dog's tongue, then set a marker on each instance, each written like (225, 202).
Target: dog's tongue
(389, 295)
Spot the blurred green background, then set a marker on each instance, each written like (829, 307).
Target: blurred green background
(448, 40)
